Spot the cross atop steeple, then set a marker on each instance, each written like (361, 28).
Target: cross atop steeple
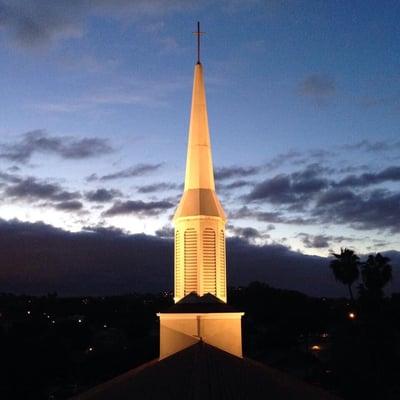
(198, 33)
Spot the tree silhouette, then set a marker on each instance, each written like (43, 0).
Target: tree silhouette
(376, 273)
(345, 268)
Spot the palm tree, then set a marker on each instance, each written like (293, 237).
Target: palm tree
(376, 273)
(345, 268)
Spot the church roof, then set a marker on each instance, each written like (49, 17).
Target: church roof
(193, 303)
(204, 372)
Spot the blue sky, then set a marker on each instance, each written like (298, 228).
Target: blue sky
(303, 101)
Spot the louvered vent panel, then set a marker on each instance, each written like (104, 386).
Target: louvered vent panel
(190, 260)
(209, 261)
(222, 267)
(178, 266)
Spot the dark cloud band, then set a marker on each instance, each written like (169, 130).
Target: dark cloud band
(39, 141)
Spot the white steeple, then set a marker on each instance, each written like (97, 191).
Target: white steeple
(199, 219)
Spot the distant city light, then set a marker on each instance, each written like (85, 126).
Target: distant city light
(79, 321)
(105, 326)
(316, 348)
(28, 312)
(90, 348)
(324, 335)
(352, 315)
(53, 322)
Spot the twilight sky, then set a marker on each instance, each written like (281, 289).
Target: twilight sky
(303, 101)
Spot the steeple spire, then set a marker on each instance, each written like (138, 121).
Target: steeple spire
(199, 168)
(199, 219)
(199, 196)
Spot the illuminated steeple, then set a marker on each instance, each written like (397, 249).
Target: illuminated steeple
(199, 219)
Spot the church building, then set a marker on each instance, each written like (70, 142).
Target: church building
(201, 334)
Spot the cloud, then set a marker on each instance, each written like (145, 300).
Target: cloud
(310, 196)
(132, 172)
(33, 23)
(138, 207)
(73, 205)
(322, 241)
(104, 230)
(102, 195)
(224, 173)
(334, 196)
(32, 189)
(314, 241)
(38, 141)
(379, 209)
(158, 187)
(283, 158)
(10, 178)
(318, 86)
(270, 217)
(315, 199)
(374, 147)
(92, 178)
(275, 190)
(367, 179)
(166, 232)
(41, 193)
(246, 213)
(297, 158)
(247, 233)
(294, 188)
(353, 168)
(105, 261)
(234, 184)
(14, 168)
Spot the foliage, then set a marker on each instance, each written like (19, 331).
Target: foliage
(376, 272)
(345, 268)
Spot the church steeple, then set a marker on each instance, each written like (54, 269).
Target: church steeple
(199, 219)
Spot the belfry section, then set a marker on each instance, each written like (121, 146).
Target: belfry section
(200, 258)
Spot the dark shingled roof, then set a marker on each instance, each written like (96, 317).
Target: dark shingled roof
(203, 372)
(193, 303)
